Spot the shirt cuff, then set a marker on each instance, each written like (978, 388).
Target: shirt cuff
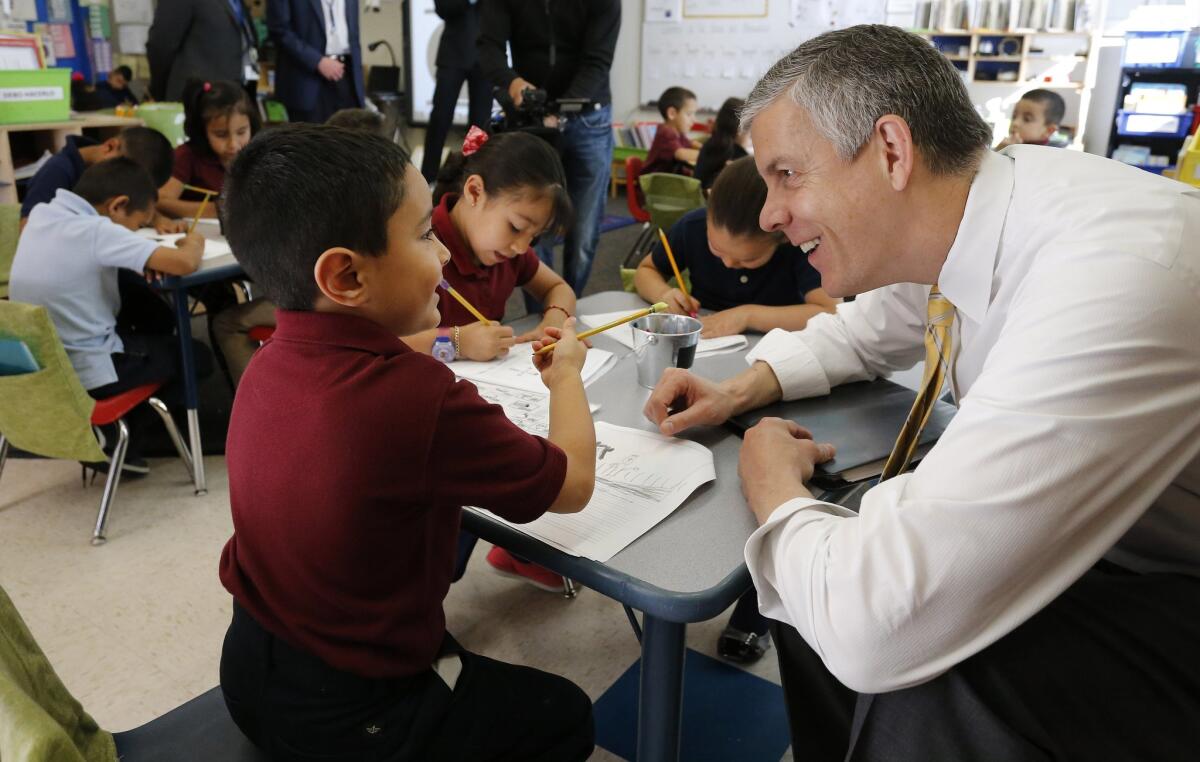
(765, 546)
(797, 369)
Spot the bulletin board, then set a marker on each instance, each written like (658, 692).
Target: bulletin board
(720, 48)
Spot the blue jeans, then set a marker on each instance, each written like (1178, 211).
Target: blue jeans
(586, 146)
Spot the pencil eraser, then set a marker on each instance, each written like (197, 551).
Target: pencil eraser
(660, 307)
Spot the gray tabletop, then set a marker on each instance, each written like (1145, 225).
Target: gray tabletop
(700, 544)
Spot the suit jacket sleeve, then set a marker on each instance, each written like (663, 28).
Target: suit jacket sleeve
(279, 24)
(495, 21)
(599, 45)
(171, 23)
(449, 9)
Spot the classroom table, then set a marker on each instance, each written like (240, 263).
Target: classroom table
(688, 568)
(214, 269)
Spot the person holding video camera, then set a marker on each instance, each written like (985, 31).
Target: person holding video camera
(565, 49)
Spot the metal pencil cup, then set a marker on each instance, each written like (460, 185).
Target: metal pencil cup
(663, 341)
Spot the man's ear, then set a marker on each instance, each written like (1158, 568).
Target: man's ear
(338, 273)
(897, 153)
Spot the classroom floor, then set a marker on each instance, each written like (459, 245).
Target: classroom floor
(134, 627)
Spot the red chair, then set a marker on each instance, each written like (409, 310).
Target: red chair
(633, 199)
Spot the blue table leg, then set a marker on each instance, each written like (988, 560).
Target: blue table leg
(183, 321)
(660, 700)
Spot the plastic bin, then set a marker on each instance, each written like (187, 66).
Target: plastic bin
(1154, 125)
(35, 95)
(1154, 50)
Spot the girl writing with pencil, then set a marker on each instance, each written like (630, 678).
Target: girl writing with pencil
(751, 280)
(495, 198)
(219, 120)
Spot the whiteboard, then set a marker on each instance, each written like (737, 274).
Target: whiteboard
(717, 55)
(423, 30)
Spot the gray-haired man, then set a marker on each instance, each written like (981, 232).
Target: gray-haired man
(1032, 590)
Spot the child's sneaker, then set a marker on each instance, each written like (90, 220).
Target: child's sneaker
(510, 566)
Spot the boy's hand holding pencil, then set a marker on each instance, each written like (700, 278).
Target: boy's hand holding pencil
(680, 303)
(193, 244)
(568, 355)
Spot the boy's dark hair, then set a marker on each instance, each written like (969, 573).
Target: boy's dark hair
(1055, 107)
(737, 198)
(674, 97)
(124, 71)
(299, 189)
(204, 100)
(509, 163)
(151, 149)
(121, 176)
(357, 119)
(726, 126)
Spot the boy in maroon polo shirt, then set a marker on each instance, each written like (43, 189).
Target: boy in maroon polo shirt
(350, 456)
(672, 150)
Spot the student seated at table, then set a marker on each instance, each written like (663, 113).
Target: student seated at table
(67, 260)
(147, 147)
(672, 151)
(349, 457)
(751, 279)
(1035, 119)
(726, 144)
(496, 198)
(219, 120)
(115, 90)
(358, 119)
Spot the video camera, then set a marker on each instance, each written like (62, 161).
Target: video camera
(531, 115)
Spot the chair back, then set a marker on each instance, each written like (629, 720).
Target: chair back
(166, 118)
(669, 197)
(10, 229)
(42, 720)
(633, 194)
(46, 412)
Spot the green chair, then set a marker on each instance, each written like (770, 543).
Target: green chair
(49, 413)
(668, 197)
(166, 118)
(10, 230)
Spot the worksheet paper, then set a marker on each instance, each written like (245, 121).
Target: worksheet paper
(529, 410)
(641, 478)
(212, 248)
(516, 369)
(624, 334)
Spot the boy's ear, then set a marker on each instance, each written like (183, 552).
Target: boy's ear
(113, 147)
(117, 205)
(338, 276)
(672, 112)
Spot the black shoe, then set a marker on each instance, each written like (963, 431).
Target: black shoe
(742, 647)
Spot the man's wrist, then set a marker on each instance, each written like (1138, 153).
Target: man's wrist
(752, 389)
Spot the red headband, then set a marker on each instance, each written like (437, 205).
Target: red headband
(474, 140)
(207, 86)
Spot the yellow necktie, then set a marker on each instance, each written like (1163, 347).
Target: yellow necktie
(939, 348)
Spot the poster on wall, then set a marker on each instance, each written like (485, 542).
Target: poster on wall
(59, 12)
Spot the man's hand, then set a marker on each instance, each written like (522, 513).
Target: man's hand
(331, 68)
(777, 458)
(678, 303)
(726, 322)
(516, 90)
(682, 400)
(485, 342)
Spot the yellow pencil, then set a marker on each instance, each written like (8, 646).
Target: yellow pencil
(463, 301)
(198, 189)
(674, 266)
(653, 308)
(199, 213)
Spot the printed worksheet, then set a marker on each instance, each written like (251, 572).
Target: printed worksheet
(641, 478)
(529, 410)
(212, 248)
(624, 334)
(516, 371)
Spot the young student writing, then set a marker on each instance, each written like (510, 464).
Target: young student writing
(754, 280)
(495, 198)
(68, 260)
(349, 457)
(727, 143)
(219, 120)
(1035, 119)
(672, 150)
(115, 90)
(145, 146)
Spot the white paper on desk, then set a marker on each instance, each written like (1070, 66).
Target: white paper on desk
(212, 248)
(641, 478)
(530, 411)
(624, 334)
(516, 370)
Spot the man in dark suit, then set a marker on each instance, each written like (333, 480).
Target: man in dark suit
(200, 39)
(319, 70)
(457, 62)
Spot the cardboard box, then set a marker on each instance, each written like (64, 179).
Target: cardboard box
(35, 95)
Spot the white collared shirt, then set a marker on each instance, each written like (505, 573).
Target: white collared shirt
(337, 29)
(1077, 283)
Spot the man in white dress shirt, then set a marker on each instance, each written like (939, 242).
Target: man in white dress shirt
(1032, 589)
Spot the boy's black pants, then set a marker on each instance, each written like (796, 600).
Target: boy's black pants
(294, 706)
